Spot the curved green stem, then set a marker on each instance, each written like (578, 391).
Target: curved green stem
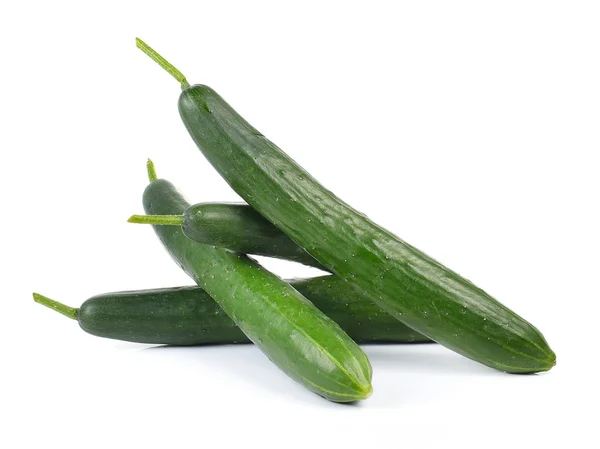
(151, 170)
(162, 62)
(173, 220)
(71, 312)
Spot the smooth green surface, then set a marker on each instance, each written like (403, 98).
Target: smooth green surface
(289, 329)
(189, 316)
(240, 228)
(404, 281)
(237, 227)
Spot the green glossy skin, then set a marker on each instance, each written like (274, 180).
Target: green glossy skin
(175, 316)
(240, 228)
(186, 316)
(402, 280)
(289, 329)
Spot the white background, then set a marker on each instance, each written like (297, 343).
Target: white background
(470, 129)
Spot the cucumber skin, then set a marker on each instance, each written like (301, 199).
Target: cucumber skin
(177, 316)
(186, 316)
(297, 337)
(241, 228)
(402, 280)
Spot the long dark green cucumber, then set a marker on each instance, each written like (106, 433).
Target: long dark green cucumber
(234, 226)
(404, 281)
(295, 335)
(187, 316)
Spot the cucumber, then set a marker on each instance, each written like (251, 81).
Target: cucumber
(182, 316)
(410, 285)
(237, 227)
(296, 336)
(187, 316)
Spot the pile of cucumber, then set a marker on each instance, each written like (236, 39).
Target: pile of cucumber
(380, 288)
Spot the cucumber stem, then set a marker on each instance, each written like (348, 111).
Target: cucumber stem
(70, 312)
(173, 220)
(151, 170)
(162, 62)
